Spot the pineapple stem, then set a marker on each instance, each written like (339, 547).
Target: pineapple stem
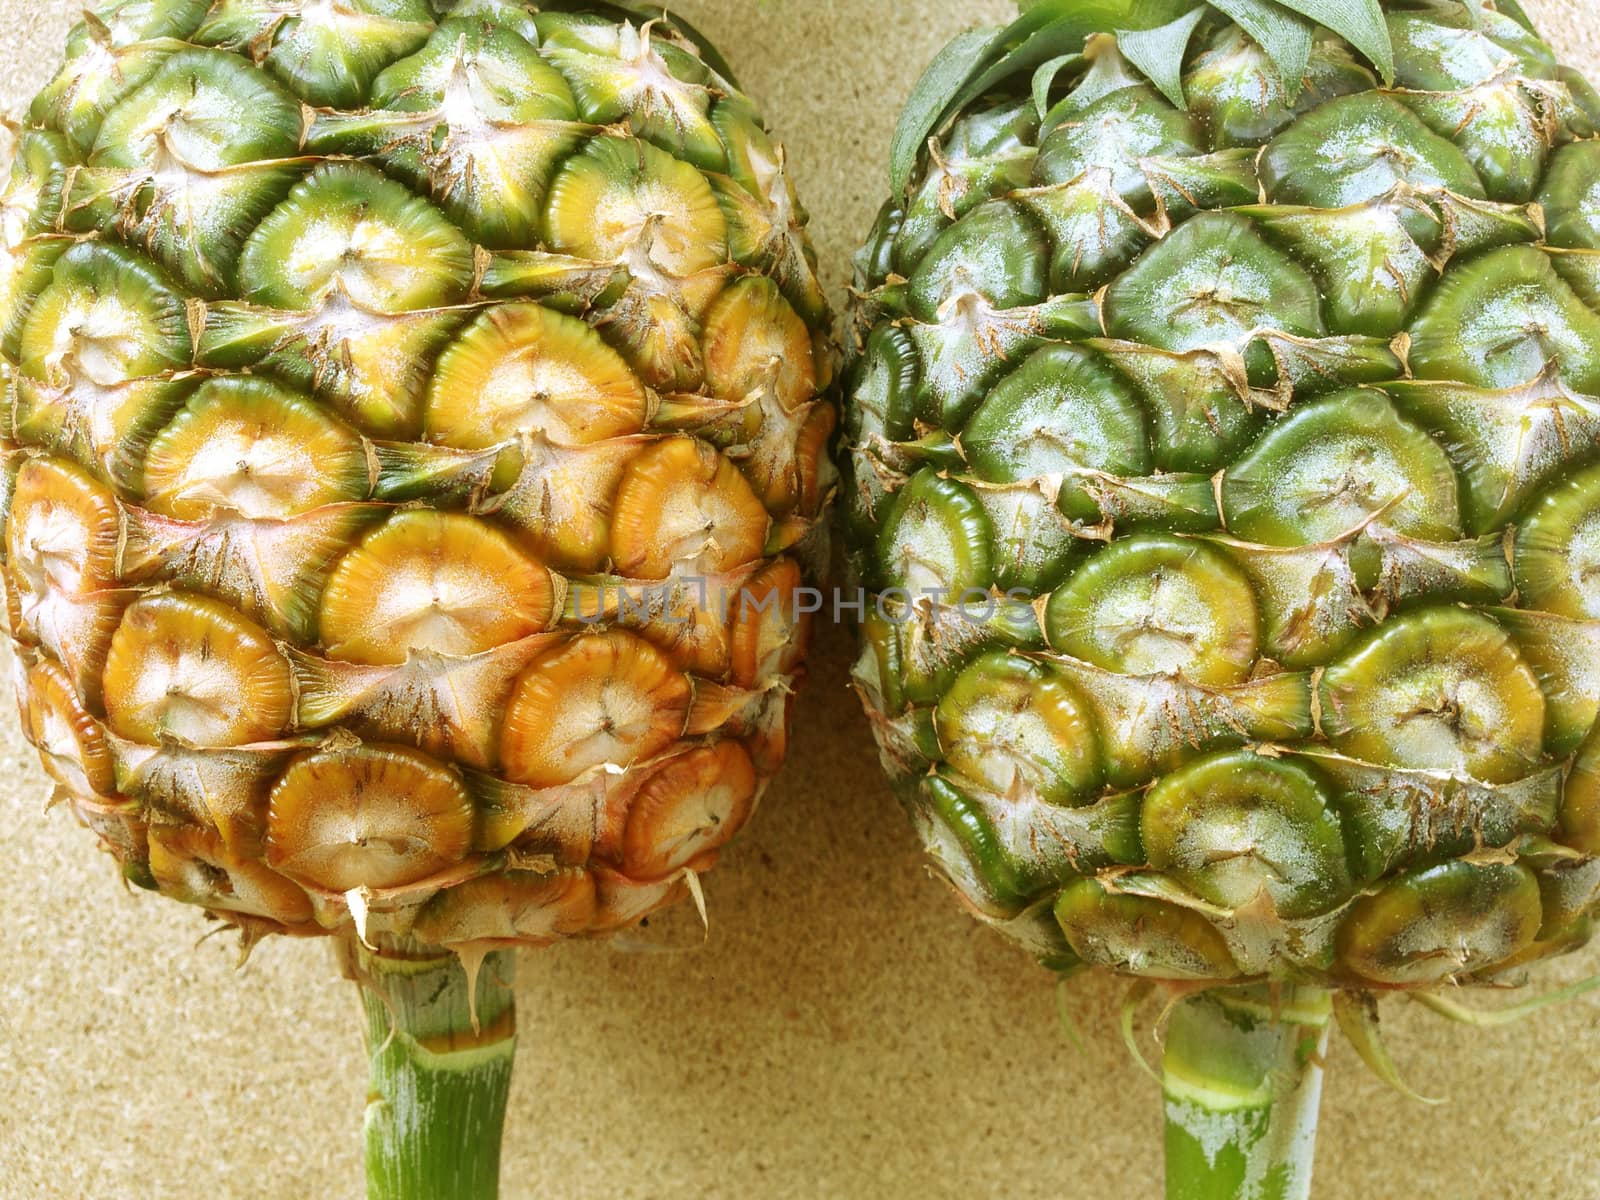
(440, 1070)
(1242, 1077)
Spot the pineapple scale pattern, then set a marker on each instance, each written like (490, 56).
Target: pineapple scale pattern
(1229, 480)
(404, 403)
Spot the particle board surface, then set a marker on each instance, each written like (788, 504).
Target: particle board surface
(844, 1030)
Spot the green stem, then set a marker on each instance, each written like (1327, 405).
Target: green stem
(1242, 1074)
(436, 1098)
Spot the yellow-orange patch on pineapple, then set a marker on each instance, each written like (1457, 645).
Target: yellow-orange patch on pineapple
(683, 506)
(193, 865)
(191, 668)
(687, 810)
(119, 825)
(61, 531)
(768, 736)
(439, 581)
(608, 699)
(621, 901)
(561, 503)
(804, 479)
(769, 632)
(367, 816)
(520, 907)
(755, 341)
(524, 369)
(71, 744)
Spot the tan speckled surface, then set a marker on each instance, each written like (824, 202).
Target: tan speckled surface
(845, 1031)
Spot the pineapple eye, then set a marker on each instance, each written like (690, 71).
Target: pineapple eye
(991, 256)
(427, 581)
(1235, 826)
(1444, 921)
(346, 232)
(683, 507)
(71, 743)
(1503, 319)
(769, 625)
(1141, 935)
(1213, 280)
(61, 531)
(1009, 850)
(250, 446)
(1063, 411)
(524, 906)
(96, 357)
(1579, 823)
(936, 541)
(1158, 605)
(1114, 137)
(618, 195)
(1337, 467)
(370, 816)
(1570, 198)
(603, 702)
(189, 668)
(196, 866)
(687, 810)
(1442, 689)
(522, 369)
(1358, 148)
(326, 52)
(1019, 728)
(1557, 555)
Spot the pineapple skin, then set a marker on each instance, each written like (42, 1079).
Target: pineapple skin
(413, 435)
(1223, 479)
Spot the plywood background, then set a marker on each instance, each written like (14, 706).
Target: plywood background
(844, 1031)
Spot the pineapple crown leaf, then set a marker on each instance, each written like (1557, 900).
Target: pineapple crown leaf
(1152, 34)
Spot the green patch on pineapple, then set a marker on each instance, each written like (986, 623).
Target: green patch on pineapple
(1439, 923)
(1140, 935)
(1158, 605)
(347, 233)
(1019, 728)
(1557, 550)
(1235, 826)
(936, 540)
(1441, 689)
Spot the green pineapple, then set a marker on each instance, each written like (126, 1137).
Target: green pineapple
(1223, 412)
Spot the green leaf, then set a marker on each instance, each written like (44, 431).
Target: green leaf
(1359, 22)
(1055, 27)
(1045, 77)
(1159, 52)
(1357, 1014)
(1285, 37)
(1514, 10)
(1052, 30)
(932, 95)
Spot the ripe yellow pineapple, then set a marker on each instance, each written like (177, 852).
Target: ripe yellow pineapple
(413, 437)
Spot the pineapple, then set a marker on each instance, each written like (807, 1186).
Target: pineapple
(412, 440)
(1221, 439)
